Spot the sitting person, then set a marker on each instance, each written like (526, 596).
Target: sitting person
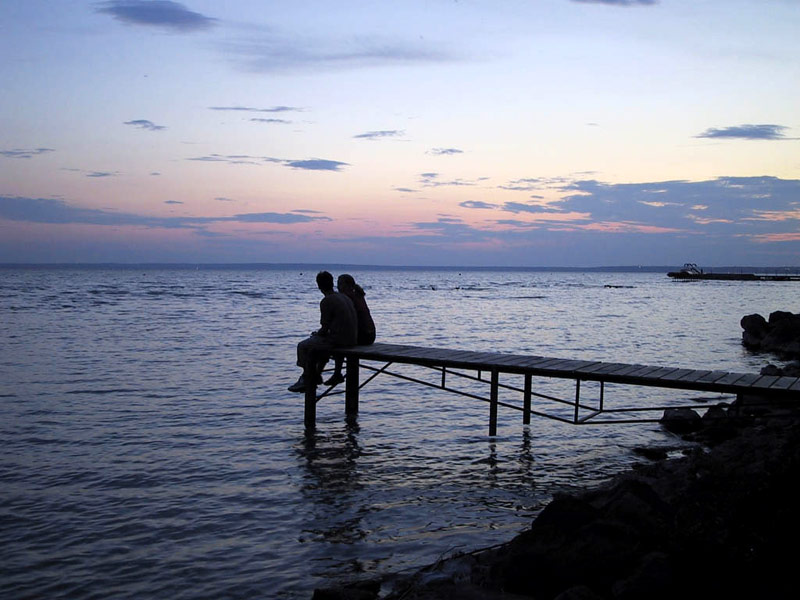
(338, 329)
(366, 326)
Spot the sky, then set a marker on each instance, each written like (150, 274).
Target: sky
(425, 132)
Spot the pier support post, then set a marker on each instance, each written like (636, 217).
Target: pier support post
(351, 387)
(311, 406)
(493, 403)
(526, 401)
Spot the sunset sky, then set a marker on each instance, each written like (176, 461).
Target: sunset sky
(437, 132)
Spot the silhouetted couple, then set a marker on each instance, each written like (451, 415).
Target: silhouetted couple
(345, 321)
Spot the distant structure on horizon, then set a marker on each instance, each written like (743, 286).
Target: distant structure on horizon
(690, 271)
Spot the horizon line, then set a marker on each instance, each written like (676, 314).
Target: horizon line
(318, 265)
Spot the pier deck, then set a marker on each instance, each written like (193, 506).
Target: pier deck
(450, 362)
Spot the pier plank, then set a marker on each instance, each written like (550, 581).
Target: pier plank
(730, 379)
(676, 375)
(536, 362)
(765, 381)
(660, 372)
(610, 369)
(784, 383)
(695, 376)
(644, 371)
(712, 377)
(628, 370)
(746, 381)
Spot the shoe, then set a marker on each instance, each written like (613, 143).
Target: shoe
(299, 385)
(335, 379)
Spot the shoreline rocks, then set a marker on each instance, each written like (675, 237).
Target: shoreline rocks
(779, 334)
(719, 522)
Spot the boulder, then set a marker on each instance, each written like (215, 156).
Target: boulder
(681, 420)
(791, 369)
(755, 329)
(780, 334)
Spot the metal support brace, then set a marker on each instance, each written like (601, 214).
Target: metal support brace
(493, 403)
(602, 394)
(526, 400)
(311, 406)
(351, 387)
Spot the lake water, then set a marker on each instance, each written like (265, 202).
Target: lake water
(150, 448)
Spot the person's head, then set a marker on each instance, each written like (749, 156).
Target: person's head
(345, 282)
(325, 281)
(347, 285)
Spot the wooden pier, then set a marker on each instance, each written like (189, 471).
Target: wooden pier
(454, 363)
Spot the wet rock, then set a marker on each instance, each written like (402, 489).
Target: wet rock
(654, 579)
(681, 420)
(590, 555)
(792, 369)
(771, 369)
(779, 334)
(651, 453)
(635, 503)
(716, 414)
(579, 592)
(755, 330)
(362, 590)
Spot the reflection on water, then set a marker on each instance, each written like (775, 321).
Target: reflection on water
(331, 483)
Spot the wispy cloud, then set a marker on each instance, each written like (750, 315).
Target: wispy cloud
(375, 135)
(43, 210)
(236, 159)
(100, 174)
(258, 120)
(477, 204)
(519, 207)
(433, 180)
(280, 218)
(529, 184)
(747, 132)
(444, 151)
(145, 124)
(316, 164)
(156, 13)
(310, 164)
(19, 153)
(620, 2)
(275, 52)
(272, 109)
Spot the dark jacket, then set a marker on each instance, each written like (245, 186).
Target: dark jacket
(338, 319)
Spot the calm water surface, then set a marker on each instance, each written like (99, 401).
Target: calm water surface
(150, 448)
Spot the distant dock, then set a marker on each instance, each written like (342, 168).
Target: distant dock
(690, 272)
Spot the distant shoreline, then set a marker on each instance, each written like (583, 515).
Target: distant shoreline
(359, 267)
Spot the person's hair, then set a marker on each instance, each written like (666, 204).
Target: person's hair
(324, 280)
(346, 281)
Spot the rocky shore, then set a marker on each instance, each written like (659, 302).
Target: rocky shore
(719, 522)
